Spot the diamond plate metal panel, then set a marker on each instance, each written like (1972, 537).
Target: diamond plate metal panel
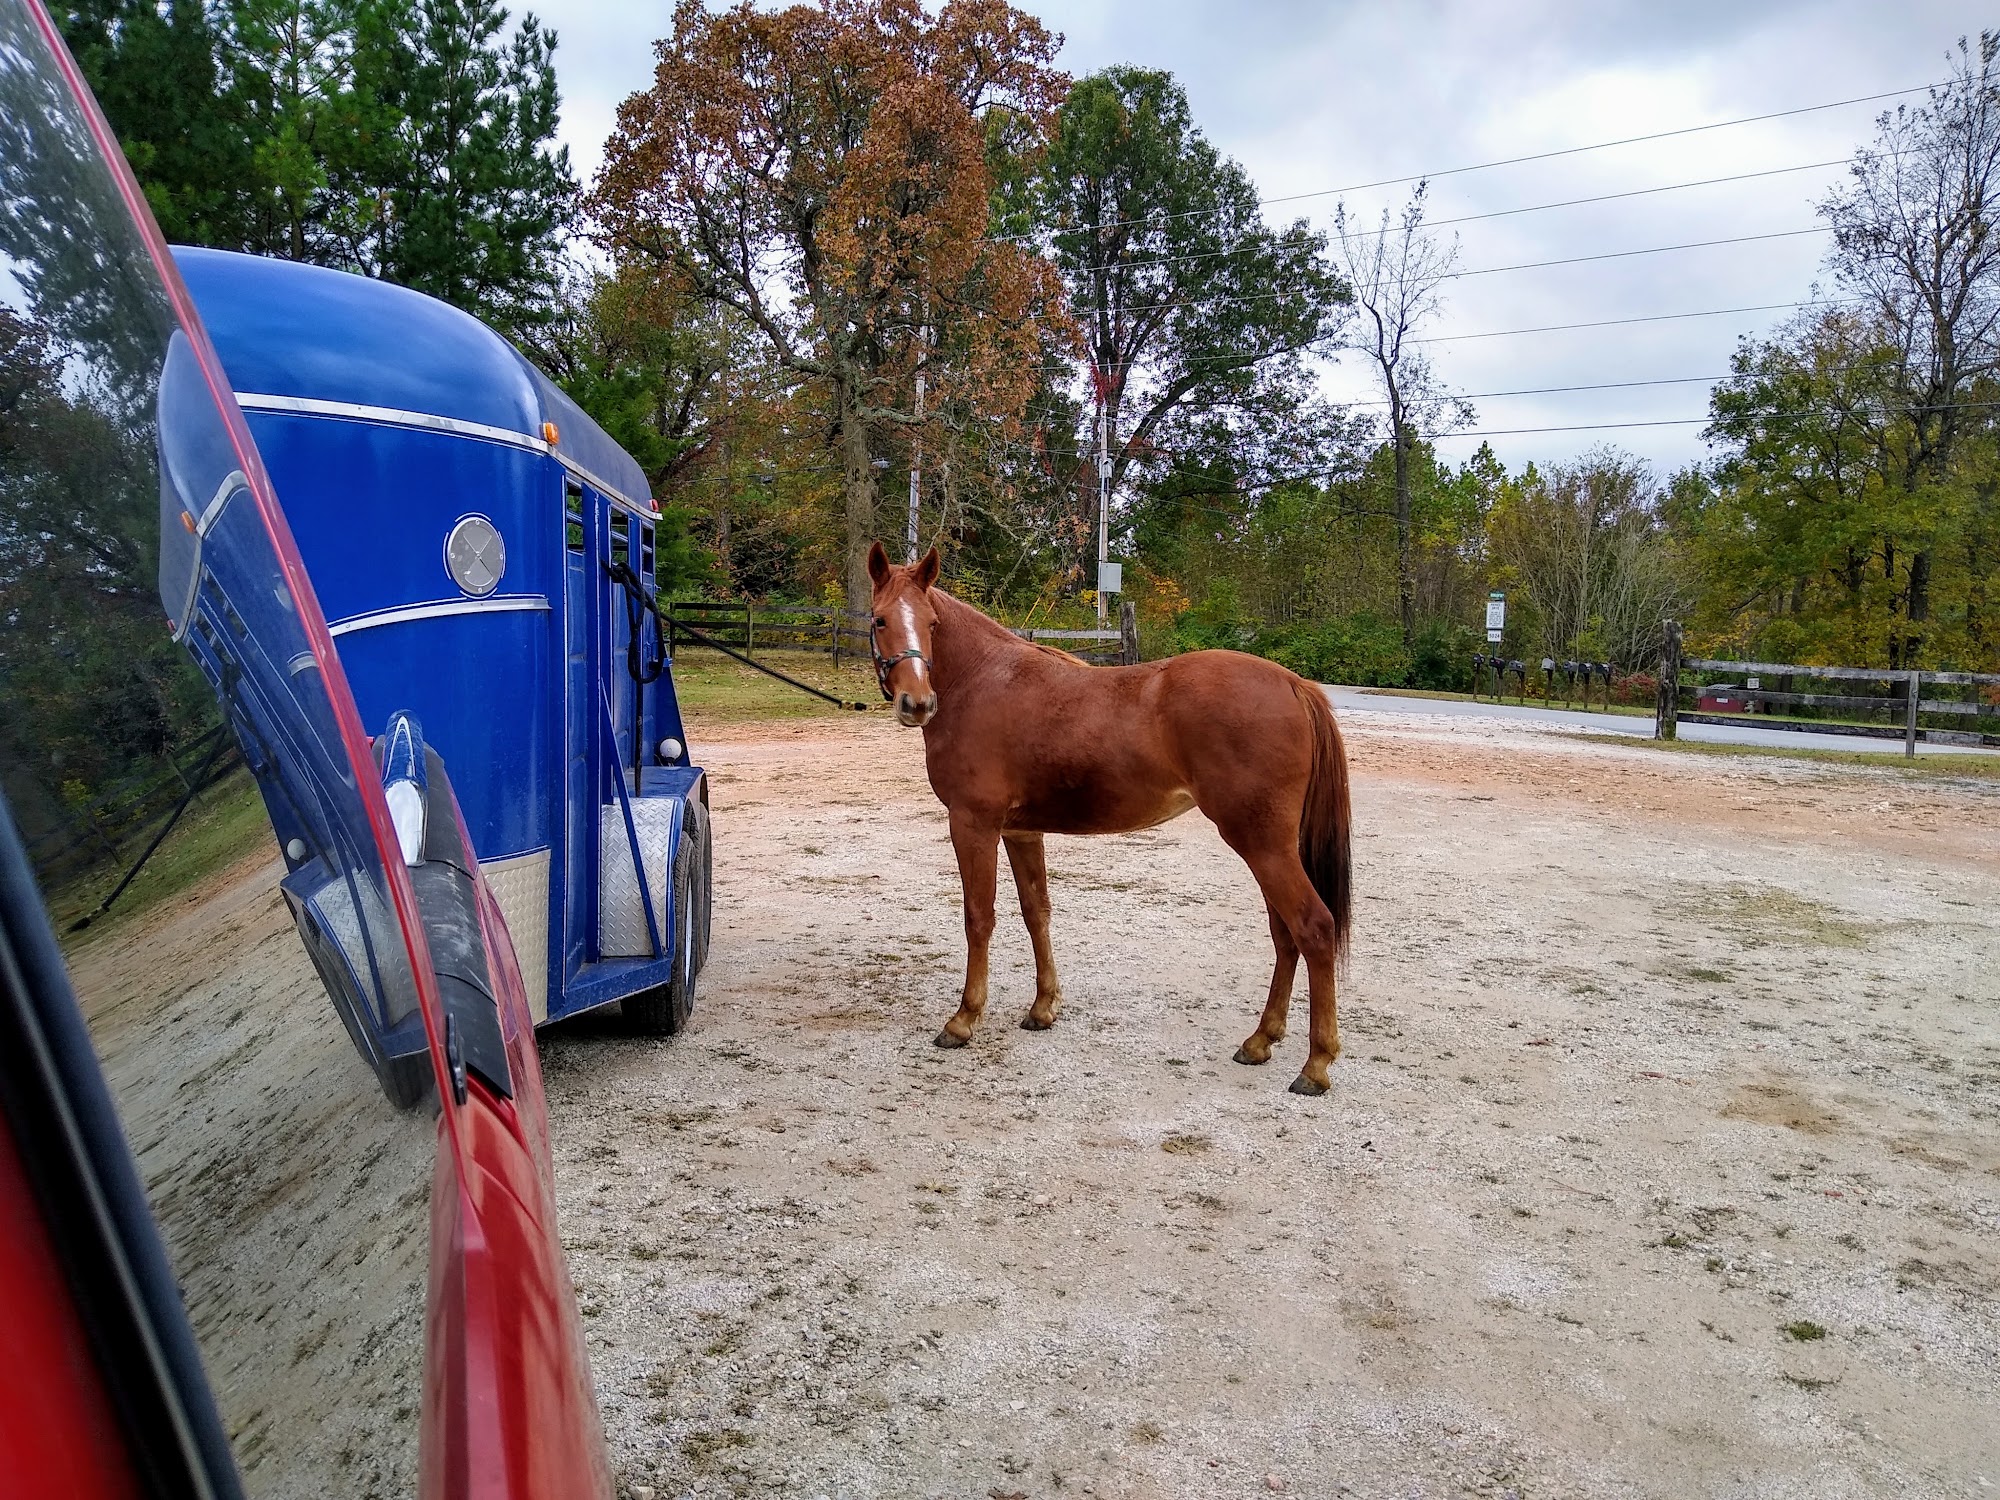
(521, 887)
(621, 921)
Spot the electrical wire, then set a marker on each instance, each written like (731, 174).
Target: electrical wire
(1514, 161)
(1526, 265)
(1499, 213)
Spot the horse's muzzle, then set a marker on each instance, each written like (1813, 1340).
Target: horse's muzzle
(913, 712)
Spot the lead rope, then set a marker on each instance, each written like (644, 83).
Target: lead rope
(640, 600)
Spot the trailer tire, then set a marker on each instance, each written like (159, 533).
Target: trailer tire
(703, 904)
(409, 1080)
(664, 1009)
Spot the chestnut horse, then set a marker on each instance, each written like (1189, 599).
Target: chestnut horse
(1021, 740)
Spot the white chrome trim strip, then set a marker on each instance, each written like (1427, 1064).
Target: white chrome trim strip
(492, 604)
(390, 416)
(212, 512)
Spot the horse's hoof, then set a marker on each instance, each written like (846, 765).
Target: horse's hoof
(946, 1039)
(1304, 1085)
(1243, 1056)
(1033, 1022)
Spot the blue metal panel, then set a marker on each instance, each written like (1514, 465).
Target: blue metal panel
(371, 505)
(285, 329)
(482, 694)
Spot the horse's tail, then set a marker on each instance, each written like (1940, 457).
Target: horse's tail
(1324, 846)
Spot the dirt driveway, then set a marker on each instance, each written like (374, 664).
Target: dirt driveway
(1662, 1158)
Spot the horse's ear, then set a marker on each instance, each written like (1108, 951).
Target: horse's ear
(927, 570)
(878, 564)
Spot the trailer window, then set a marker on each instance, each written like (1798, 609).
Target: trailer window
(573, 514)
(645, 552)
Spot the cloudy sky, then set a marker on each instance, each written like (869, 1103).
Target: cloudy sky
(1312, 97)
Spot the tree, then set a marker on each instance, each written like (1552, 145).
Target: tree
(472, 203)
(1398, 272)
(1583, 550)
(825, 173)
(1915, 239)
(154, 70)
(1191, 307)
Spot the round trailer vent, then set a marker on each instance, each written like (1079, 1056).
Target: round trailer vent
(475, 556)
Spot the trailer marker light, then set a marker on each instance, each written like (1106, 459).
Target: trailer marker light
(671, 750)
(549, 434)
(187, 523)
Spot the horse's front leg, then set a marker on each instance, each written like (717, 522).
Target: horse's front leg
(977, 844)
(1031, 883)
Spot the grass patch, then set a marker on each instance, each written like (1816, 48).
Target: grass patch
(717, 689)
(1626, 709)
(1185, 1144)
(1805, 1331)
(225, 824)
(1975, 763)
(1770, 914)
(1708, 976)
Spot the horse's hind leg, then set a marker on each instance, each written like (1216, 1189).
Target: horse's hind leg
(974, 842)
(1031, 883)
(1290, 895)
(1271, 1025)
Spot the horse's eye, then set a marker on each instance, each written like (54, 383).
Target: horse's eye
(881, 619)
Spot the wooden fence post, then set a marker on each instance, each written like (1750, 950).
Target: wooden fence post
(1128, 630)
(1913, 687)
(1667, 702)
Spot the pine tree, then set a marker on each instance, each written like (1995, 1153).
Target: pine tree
(156, 76)
(473, 202)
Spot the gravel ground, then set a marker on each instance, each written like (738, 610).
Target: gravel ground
(1661, 1159)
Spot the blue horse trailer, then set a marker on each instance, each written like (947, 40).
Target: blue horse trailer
(483, 554)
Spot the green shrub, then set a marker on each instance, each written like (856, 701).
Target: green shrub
(1441, 656)
(1361, 649)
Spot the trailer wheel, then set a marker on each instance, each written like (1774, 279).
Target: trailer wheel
(664, 1009)
(408, 1080)
(704, 896)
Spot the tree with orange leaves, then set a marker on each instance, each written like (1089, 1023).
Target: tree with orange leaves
(827, 172)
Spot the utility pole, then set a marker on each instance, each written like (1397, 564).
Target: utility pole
(916, 474)
(1103, 501)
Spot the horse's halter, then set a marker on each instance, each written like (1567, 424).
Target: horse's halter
(884, 665)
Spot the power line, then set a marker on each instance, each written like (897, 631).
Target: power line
(1514, 161)
(1507, 333)
(1556, 390)
(1528, 265)
(1714, 312)
(1501, 213)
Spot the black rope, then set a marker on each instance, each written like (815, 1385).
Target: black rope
(639, 598)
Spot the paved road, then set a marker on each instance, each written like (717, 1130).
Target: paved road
(1357, 700)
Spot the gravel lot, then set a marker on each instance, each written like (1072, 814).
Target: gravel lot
(1661, 1159)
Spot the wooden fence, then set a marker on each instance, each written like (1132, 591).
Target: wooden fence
(745, 625)
(1968, 702)
(108, 828)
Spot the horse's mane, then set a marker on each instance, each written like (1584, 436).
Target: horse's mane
(999, 631)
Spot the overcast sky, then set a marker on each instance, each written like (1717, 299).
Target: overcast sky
(1317, 96)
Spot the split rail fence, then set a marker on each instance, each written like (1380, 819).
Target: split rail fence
(1967, 702)
(106, 830)
(746, 625)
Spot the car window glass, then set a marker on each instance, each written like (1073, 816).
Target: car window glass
(155, 659)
